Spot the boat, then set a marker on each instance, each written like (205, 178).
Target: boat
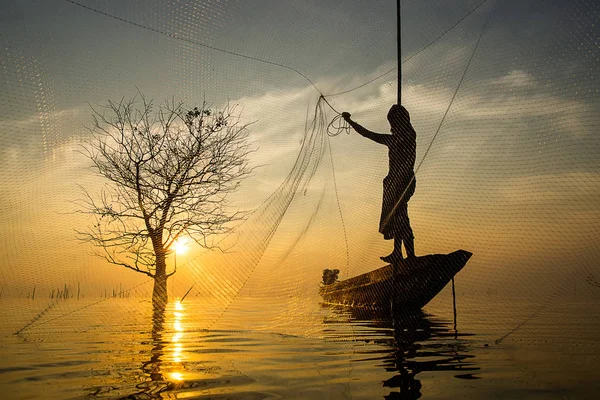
(406, 285)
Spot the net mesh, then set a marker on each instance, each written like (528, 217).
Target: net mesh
(503, 97)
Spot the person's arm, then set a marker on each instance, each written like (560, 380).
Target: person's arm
(361, 130)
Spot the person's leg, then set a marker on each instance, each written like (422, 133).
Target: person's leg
(409, 246)
(406, 231)
(395, 255)
(398, 247)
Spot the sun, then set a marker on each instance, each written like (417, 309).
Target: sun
(181, 245)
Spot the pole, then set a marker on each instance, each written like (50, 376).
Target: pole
(399, 50)
(454, 308)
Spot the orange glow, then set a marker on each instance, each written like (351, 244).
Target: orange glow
(180, 245)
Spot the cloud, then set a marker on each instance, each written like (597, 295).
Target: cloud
(484, 164)
(503, 117)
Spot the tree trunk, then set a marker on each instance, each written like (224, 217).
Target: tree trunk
(159, 293)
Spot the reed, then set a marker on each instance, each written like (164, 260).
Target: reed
(116, 293)
(66, 292)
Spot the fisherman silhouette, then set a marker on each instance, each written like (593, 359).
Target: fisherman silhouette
(399, 185)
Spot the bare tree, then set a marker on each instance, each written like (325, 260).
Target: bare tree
(169, 172)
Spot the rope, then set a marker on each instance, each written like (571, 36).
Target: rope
(339, 206)
(337, 125)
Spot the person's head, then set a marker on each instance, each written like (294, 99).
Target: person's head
(399, 118)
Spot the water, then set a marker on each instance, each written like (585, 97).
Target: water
(115, 349)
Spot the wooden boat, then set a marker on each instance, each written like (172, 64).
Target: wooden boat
(407, 285)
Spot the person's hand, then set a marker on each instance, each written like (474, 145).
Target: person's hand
(346, 115)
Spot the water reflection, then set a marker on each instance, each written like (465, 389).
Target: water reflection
(177, 342)
(406, 344)
(180, 365)
(157, 380)
(396, 347)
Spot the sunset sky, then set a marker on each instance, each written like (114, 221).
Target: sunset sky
(513, 175)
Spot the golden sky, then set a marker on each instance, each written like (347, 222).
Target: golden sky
(512, 176)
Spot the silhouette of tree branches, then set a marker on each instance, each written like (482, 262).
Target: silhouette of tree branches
(169, 171)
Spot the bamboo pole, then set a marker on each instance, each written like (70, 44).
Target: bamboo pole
(399, 50)
(454, 308)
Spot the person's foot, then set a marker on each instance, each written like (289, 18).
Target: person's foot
(392, 258)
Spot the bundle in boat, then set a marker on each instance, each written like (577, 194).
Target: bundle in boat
(409, 284)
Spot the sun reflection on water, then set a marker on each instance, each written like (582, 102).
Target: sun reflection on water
(177, 342)
(176, 376)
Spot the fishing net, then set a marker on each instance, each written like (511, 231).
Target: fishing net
(503, 97)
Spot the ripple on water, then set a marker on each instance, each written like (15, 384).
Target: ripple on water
(345, 353)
